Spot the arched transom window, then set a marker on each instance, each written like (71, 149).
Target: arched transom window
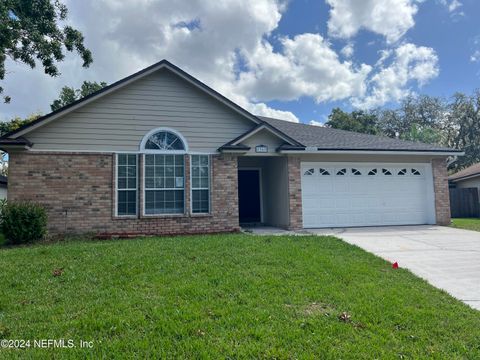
(164, 140)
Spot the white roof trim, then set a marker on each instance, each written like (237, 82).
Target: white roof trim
(129, 81)
(234, 151)
(373, 152)
(256, 130)
(467, 177)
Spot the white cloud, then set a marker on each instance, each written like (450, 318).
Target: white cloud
(203, 37)
(390, 18)
(227, 45)
(475, 57)
(348, 50)
(454, 5)
(408, 64)
(316, 123)
(307, 66)
(263, 110)
(451, 5)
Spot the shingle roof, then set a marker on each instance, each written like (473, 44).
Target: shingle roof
(325, 138)
(473, 170)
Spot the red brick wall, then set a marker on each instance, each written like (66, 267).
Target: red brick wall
(442, 196)
(78, 192)
(295, 193)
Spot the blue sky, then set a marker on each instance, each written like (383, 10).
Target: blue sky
(451, 34)
(294, 60)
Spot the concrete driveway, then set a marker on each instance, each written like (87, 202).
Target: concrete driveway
(447, 258)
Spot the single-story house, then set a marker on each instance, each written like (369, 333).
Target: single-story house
(466, 178)
(159, 152)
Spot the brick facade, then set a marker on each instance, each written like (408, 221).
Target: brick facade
(294, 193)
(77, 189)
(440, 187)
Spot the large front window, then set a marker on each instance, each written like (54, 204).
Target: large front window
(162, 179)
(164, 184)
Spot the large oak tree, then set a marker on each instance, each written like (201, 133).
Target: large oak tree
(35, 30)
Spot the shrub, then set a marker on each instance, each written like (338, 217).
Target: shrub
(23, 222)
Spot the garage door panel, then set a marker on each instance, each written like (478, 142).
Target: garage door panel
(350, 194)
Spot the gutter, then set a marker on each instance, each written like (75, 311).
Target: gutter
(466, 177)
(375, 152)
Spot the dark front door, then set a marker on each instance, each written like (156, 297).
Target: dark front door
(249, 196)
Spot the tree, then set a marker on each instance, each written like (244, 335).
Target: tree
(68, 94)
(417, 118)
(6, 127)
(30, 32)
(425, 134)
(358, 121)
(462, 128)
(16, 122)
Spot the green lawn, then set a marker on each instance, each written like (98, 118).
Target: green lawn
(468, 224)
(226, 296)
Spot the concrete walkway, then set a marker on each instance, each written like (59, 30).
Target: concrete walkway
(447, 258)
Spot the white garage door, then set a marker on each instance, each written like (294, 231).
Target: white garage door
(361, 194)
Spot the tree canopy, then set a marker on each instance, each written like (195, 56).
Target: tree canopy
(69, 94)
(16, 122)
(453, 122)
(33, 30)
(358, 121)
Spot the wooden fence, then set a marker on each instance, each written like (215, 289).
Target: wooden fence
(464, 203)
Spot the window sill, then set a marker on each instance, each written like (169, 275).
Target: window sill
(201, 215)
(125, 217)
(150, 216)
(162, 216)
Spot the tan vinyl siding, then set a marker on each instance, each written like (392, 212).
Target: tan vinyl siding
(263, 137)
(118, 121)
(276, 188)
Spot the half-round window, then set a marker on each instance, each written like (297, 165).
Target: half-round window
(164, 140)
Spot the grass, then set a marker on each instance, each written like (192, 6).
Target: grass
(226, 296)
(468, 224)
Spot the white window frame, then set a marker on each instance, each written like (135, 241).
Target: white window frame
(153, 131)
(161, 152)
(117, 188)
(209, 185)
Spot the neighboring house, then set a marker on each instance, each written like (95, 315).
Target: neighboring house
(3, 187)
(159, 152)
(466, 178)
